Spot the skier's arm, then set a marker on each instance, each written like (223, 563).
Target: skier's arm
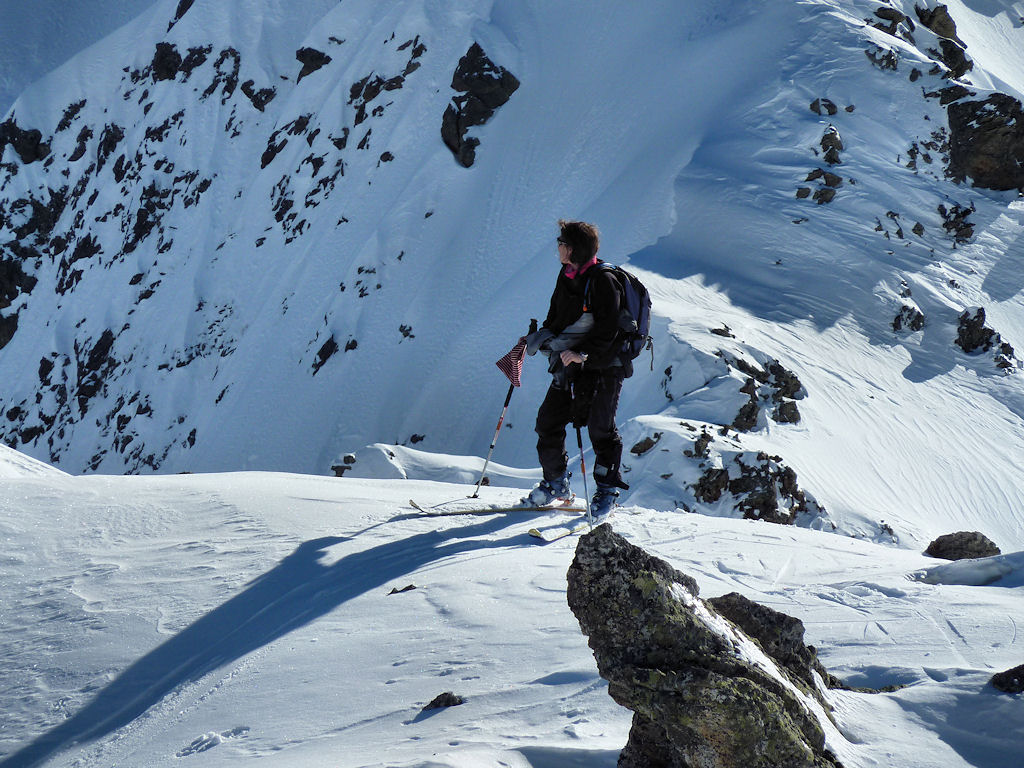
(605, 303)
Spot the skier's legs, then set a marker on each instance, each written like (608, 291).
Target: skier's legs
(552, 417)
(604, 435)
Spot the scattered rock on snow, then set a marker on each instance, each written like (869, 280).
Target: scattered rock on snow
(832, 145)
(974, 337)
(483, 86)
(1010, 681)
(762, 486)
(963, 545)
(446, 699)
(701, 691)
(909, 318)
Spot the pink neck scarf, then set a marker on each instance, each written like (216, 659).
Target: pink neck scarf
(571, 270)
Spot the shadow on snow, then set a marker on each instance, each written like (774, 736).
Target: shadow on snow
(299, 590)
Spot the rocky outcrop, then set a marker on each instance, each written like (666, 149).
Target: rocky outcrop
(703, 693)
(27, 143)
(762, 487)
(483, 87)
(963, 545)
(974, 337)
(1010, 681)
(986, 142)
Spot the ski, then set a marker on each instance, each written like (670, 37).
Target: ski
(472, 507)
(556, 532)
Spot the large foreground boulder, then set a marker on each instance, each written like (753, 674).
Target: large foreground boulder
(703, 693)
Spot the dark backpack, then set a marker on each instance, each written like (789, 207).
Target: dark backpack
(634, 316)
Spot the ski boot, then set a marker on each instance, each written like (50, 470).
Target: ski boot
(549, 493)
(604, 501)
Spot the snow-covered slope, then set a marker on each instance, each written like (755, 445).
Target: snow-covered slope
(232, 619)
(37, 37)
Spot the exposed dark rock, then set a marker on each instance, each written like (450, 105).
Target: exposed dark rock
(166, 61)
(183, 6)
(83, 137)
(762, 486)
(963, 545)
(259, 98)
(939, 21)
(831, 145)
(69, 115)
(324, 354)
(824, 195)
(818, 106)
(13, 281)
(94, 366)
(484, 86)
(27, 143)
(781, 636)
(986, 142)
(226, 69)
(443, 700)
(195, 58)
(311, 60)
(787, 413)
(643, 446)
(895, 19)
(955, 58)
(955, 221)
(1010, 681)
(973, 335)
(109, 139)
(910, 318)
(8, 327)
(697, 700)
(883, 58)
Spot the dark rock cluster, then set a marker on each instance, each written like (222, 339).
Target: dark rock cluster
(1010, 681)
(772, 387)
(974, 337)
(986, 142)
(483, 86)
(761, 486)
(702, 694)
(963, 545)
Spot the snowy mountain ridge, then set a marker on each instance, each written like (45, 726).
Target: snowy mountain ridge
(277, 236)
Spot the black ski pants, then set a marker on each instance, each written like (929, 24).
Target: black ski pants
(596, 400)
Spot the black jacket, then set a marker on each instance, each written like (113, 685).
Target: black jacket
(568, 302)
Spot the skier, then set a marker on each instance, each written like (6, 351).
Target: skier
(581, 339)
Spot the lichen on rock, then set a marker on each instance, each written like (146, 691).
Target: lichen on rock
(704, 695)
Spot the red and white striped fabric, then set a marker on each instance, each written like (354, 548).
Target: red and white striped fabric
(512, 363)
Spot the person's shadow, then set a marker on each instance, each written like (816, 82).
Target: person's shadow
(297, 591)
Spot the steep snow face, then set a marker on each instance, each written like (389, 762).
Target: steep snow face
(244, 245)
(37, 37)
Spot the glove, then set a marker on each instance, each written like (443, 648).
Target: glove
(536, 340)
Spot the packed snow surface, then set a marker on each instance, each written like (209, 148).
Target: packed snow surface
(231, 617)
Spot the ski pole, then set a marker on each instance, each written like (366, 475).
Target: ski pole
(501, 420)
(583, 465)
(508, 398)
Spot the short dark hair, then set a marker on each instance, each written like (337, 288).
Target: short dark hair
(583, 238)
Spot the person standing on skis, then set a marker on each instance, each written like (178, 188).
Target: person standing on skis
(580, 336)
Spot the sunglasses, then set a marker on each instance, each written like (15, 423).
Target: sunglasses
(560, 241)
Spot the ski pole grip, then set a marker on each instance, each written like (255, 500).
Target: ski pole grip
(533, 325)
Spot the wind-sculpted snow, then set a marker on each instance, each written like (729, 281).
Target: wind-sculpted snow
(230, 619)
